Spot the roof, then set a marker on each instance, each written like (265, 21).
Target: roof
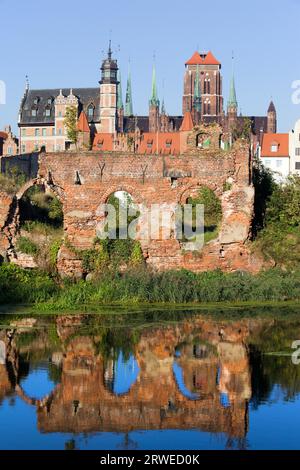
(187, 123)
(272, 108)
(82, 124)
(203, 59)
(86, 96)
(3, 135)
(282, 142)
(259, 124)
(103, 142)
(142, 122)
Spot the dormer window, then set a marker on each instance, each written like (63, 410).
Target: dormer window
(49, 101)
(168, 143)
(274, 147)
(100, 143)
(33, 112)
(36, 100)
(149, 143)
(91, 111)
(47, 112)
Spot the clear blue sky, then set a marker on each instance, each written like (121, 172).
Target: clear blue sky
(60, 43)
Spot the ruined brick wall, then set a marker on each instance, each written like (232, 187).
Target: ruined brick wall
(85, 180)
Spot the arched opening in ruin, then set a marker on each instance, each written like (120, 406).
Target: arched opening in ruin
(212, 208)
(120, 374)
(203, 140)
(117, 236)
(40, 225)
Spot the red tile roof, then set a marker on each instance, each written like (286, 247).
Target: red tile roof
(3, 135)
(83, 125)
(161, 142)
(187, 123)
(210, 59)
(196, 59)
(282, 142)
(103, 142)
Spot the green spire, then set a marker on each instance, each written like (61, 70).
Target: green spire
(120, 99)
(232, 101)
(197, 92)
(163, 108)
(154, 101)
(128, 102)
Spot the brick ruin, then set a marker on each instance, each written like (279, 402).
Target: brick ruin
(84, 180)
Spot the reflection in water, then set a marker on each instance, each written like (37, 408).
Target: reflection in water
(92, 376)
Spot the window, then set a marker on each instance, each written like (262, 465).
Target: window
(268, 162)
(59, 114)
(9, 150)
(44, 132)
(23, 132)
(274, 148)
(60, 132)
(36, 147)
(23, 148)
(48, 112)
(149, 143)
(298, 152)
(299, 137)
(36, 100)
(53, 130)
(168, 143)
(278, 163)
(297, 166)
(33, 112)
(91, 111)
(36, 132)
(49, 101)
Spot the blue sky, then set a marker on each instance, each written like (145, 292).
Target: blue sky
(61, 44)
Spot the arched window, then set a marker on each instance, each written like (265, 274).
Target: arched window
(90, 111)
(208, 109)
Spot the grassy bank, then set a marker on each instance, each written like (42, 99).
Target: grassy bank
(145, 287)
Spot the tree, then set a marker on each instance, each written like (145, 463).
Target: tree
(71, 124)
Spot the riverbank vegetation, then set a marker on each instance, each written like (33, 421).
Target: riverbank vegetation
(144, 286)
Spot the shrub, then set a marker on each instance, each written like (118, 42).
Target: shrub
(27, 246)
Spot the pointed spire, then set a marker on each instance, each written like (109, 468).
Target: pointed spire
(232, 101)
(26, 83)
(109, 53)
(154, 99)
(163, 108)
(128, 101)
(120, 99)
(197, 91)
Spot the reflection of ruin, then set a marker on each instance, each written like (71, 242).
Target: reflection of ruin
(211, 360)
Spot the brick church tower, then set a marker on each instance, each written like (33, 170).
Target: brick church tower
(108, 94)
(154, 118)
(204, 69)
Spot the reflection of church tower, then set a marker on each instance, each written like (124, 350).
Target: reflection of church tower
(154, 106)
(108, 94)
(109, 375)
(272, 119)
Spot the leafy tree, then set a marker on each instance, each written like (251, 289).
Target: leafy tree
(71, 124)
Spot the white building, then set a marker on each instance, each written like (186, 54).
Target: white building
(294, 148)
(275, 154)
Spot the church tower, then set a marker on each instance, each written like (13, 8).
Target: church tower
(209, 69)
(232, 105)
(272, 119)
(120, 107)
(128, 101)
(154, 106)
(108, 94)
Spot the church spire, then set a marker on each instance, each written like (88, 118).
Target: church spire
(232, 101)
(128, 102)
(120, 99)
(154, 101)
(197, 92)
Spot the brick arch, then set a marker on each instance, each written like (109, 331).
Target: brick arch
(57, 191)
(189, 191)
(137, 198)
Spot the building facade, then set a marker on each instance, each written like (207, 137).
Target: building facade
(114, 126)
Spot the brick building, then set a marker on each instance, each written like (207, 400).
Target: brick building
(8, 143)
(113, 126)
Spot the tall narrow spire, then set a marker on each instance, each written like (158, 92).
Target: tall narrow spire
(109, 53)
(120, 99)
(163, 108)
(154, 98)
(232, 101)
(197, 92)
(128, 101)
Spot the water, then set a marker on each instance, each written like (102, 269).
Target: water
(149, 380)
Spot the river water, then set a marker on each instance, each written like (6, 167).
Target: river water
(150, 380)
